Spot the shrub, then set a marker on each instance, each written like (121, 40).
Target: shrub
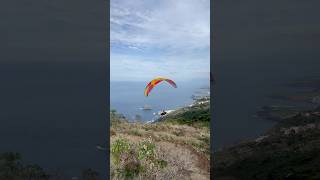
(146, 149)
(135, 132)
(120, 146)
(133, 160)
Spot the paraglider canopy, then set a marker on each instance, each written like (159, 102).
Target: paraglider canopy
(156, 81)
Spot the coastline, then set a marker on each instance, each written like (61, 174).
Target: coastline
(202, 101)
(180, 140)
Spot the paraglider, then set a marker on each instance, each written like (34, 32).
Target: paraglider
(156, 81)
(163, 113)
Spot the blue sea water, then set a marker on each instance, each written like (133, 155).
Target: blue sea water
(128, 97)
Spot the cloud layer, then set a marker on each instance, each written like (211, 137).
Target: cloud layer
(169, 38)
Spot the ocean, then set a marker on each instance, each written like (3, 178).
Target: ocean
(128, 98)
(239, 91)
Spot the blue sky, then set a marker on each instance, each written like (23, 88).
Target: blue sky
(152, 38)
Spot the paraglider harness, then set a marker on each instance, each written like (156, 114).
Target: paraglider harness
(163, 113)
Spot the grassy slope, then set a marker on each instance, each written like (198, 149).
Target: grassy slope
(181, 141)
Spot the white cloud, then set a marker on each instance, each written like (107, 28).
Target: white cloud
(168, 23)
(135, 68)
(176, 31)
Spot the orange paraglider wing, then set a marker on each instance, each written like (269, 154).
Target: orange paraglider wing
(156, 81)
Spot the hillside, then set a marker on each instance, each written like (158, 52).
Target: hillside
(290, 150)
(175, 147)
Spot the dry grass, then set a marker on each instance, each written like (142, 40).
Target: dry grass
(185, 149)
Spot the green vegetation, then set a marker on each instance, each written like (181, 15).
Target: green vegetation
(132, 160)
(197, 115)
(197, 118)
(176, 147)
(135, 132)
(146, 149)
(119, 147)
(116, 118)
